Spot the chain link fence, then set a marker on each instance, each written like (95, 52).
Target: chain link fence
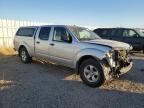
(8, 29)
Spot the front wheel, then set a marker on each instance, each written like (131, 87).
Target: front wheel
(91, 73)
(25, 57)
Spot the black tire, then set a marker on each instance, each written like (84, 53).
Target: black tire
(100, 75)
(27, 58)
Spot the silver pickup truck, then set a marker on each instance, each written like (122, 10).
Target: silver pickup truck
(93, 58)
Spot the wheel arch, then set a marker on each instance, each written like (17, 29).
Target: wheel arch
(93, 53)
(81, 59)
(26, 47)
(20, 47)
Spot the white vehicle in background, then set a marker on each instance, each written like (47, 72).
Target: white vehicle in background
(95, 59)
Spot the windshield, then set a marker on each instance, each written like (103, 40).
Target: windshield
(83, 33)
(139, 32)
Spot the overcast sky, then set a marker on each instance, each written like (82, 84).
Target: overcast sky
(99, 13)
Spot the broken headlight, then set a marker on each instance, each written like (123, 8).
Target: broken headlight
(110, 56)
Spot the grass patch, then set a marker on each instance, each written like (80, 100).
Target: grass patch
(6, 51)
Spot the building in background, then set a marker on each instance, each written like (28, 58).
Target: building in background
(8, 29)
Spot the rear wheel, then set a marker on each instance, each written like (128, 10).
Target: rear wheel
(25, 57)
(91, 73)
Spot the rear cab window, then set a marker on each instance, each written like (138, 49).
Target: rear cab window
(98, 31)
(110, 32)
(106, 32)
(26, 32)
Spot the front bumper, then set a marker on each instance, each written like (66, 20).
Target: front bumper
(121, 67)
(126, 69)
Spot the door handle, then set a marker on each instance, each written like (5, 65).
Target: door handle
(38, 42)
(52, 44)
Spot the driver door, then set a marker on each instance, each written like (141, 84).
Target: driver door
(61, 47)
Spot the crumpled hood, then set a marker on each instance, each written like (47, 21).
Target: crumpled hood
(111, 43)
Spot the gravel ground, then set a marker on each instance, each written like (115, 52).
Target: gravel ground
(43, 85)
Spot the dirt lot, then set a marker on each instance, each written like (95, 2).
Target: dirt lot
(43, 85)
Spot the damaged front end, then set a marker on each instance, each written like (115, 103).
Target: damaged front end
(115, 63)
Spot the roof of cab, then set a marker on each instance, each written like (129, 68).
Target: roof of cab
(51, 26)
(116, 28)
(28, 26)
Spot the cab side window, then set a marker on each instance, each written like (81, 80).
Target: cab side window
(116, 33)
(61, 35)
(44, 33)
(106, 32)
(130, 33)
(113, 32)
